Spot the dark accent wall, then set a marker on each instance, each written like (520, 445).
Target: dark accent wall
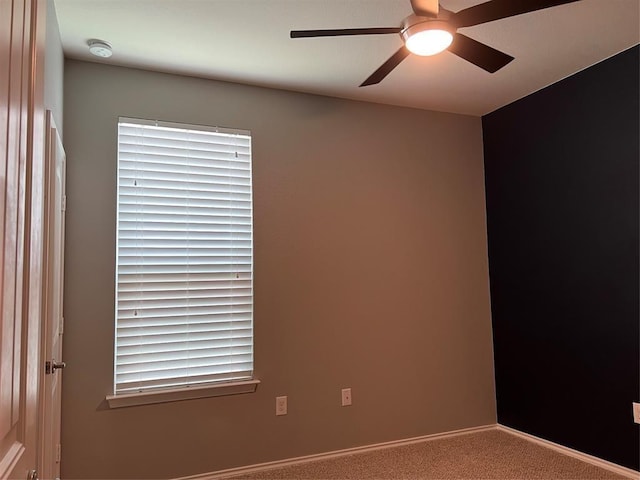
(562, 174)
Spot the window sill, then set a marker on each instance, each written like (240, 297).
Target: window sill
(187, 393)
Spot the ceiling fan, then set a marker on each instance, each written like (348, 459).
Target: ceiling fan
(432, 29)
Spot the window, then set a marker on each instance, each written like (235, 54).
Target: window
(184, 283)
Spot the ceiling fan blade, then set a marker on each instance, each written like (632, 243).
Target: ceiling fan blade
(425, 8)
(478, 53)
(343, 32)
(386, 68)
(497, 9)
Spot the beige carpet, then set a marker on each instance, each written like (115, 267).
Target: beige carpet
(484, 455)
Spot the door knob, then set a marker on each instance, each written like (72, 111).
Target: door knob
(52, 366)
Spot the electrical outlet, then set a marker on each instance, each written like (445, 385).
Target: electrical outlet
(281, 405)
(346, 397)
(636, 412)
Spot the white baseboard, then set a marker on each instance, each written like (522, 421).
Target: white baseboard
(334, 454)
(598, 462)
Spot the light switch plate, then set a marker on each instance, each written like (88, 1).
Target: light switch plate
(636, 412)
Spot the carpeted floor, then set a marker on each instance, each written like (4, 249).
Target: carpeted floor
(491, 454)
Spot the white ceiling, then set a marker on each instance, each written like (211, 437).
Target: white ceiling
(247, 41)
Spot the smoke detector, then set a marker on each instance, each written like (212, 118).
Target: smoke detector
(99, 48)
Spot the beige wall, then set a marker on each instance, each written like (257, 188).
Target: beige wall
(370, 273)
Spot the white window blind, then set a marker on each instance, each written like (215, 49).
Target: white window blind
(184, 296)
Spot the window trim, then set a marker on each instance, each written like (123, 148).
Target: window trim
(183, 393)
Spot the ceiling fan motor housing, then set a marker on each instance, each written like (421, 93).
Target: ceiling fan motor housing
(414, 24)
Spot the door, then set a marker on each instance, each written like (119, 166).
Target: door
(22, 24)
(49, 461)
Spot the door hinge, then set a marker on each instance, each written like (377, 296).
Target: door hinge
(64, 203)
(58, 453)
(61, 326)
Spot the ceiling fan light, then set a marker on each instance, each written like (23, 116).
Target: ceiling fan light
(428, 38)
